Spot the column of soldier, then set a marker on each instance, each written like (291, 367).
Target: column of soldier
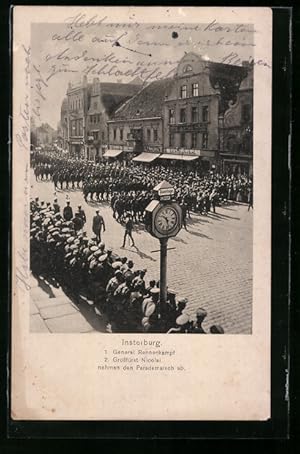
(129, 189)
(62, 254)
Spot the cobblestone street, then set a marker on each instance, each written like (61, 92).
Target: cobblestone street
(211, 265)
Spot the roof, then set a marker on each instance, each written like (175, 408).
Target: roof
(147, 103)
(112, 102)
(115, 94)
(119, 89)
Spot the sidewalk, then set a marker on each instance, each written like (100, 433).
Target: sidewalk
(52, 311)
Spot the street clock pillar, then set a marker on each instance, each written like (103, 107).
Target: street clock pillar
(163, 221)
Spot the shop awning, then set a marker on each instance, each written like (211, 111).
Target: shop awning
(112, 153)
(178, 157)
(146, 157)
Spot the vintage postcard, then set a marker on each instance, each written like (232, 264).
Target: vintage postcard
(141, 213)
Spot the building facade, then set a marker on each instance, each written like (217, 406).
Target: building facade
(137, 127)
(236, 131)
(45, 134)
(63, 127)
(77, 95)
(85, 112)
(191, 114)
(104, 99)
(202, 116)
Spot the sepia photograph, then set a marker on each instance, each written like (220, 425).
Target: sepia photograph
(141, 170)
(141, 177)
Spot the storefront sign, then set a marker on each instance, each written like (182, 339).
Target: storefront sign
(165, 192)
(184, 151)
(188, 127)
(152, 148)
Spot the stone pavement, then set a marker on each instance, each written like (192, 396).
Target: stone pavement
(52, 311)
(211, 266)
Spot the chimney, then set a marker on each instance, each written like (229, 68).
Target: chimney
(119, 81)
(84, 82)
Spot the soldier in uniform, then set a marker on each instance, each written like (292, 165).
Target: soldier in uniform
(197, 326)
(82, 214)
(78, 222)
(68, 212)
(128, 231)
(56, 206)
(98, 224)
(139, 281)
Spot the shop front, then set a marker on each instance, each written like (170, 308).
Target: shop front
(236, 165)
(191, 159)
(76, 148)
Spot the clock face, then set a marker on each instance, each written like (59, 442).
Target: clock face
(166, 220)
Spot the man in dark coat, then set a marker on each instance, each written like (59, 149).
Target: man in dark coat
(98, 223)
(56, 206)
(82, 214)
(78, 222)
(68, 212)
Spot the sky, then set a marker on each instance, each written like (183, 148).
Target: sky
(61, 53)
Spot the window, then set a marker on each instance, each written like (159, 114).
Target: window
(194, 140)
(194, 114)
(95, 105)
(155, 135)
(182, 140)
(96, 135)
(182, 115)
(171, 140)
(195, 89)
(115, 134)
(205, 113)
(183, 91)
(148, 134)
(204, 140)
(187, 68)
(246, 113)
(102, 135)
(80, 127)
(121, 134)
(171, 116)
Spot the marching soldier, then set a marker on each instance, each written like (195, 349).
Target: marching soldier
(128, 231)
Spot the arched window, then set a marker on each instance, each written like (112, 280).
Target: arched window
(187, 69)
